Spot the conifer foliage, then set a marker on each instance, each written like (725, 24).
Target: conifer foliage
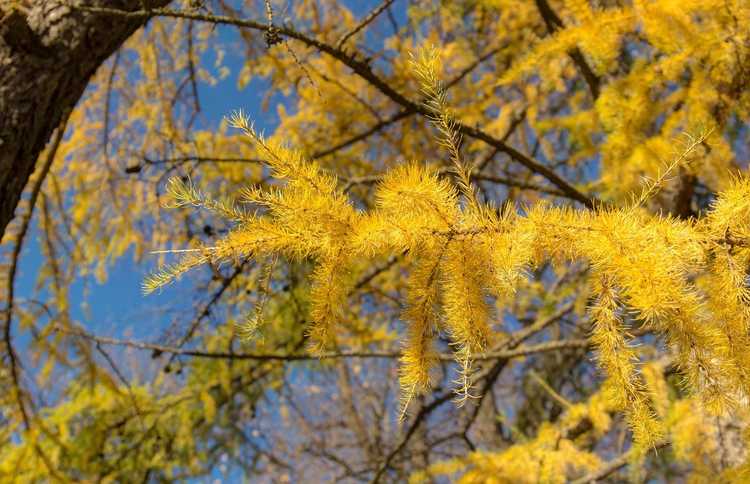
(462, 254)
(558, 242)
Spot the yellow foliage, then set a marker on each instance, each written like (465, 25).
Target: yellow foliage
(466, 240)
(549, 457)
(650, 260)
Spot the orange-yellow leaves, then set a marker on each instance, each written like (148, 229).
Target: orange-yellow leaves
(664, 67)
(624, 386)
(420, 316)
(328, 296)
(681, 281)
(464, 282)
(461, 256)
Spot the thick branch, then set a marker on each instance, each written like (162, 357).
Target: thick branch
(405, 113)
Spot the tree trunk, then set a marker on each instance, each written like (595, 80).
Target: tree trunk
(48, 53)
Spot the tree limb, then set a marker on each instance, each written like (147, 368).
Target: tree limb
(177, 351)
(11, 277)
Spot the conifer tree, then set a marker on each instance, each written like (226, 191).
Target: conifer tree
(492, 241)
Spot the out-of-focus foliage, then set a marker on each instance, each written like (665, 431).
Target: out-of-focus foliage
(415, 219)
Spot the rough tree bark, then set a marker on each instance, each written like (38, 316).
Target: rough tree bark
(48, 52)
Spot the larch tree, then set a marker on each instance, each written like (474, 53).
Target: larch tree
(486, 241)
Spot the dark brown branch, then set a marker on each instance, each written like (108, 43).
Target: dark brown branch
(198, 159)
(177, 351)
(554, 23)
(401, 114)
(515, 184)
(25, 223)
(363, 135)
(364, 22)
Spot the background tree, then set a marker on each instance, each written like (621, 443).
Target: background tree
(487, 203)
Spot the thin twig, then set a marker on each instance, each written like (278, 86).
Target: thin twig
(364, 22)
(548, 388)
(612, 466)
(25, 223)
(177, 351)
(206, 311)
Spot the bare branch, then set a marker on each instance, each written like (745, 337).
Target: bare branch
(25, 223)
(364, 22)
(177, 351)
